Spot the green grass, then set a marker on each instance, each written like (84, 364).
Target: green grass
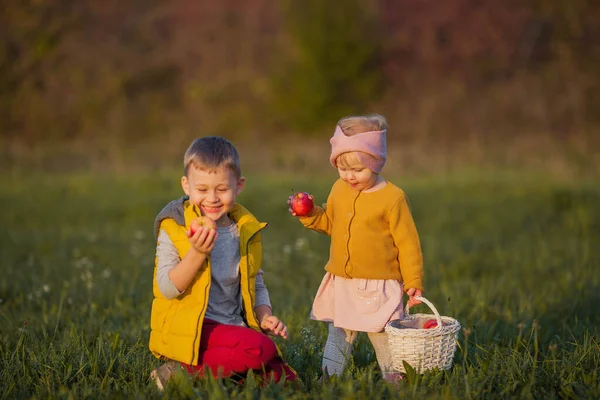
(514, 259)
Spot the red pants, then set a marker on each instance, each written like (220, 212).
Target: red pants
(228, 350)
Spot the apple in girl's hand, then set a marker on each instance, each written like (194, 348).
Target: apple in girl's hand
(302, 204)
(430, 324)
(201, 221)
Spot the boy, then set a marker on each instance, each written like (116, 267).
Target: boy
(211, 305)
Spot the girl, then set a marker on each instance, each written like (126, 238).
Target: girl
(375, 253)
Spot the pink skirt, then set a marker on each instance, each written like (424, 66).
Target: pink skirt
(363, 305)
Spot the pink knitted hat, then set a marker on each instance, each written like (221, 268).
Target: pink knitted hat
(370, 145)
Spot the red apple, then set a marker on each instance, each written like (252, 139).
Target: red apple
(201, 221)
(430, 324)
(302, 204)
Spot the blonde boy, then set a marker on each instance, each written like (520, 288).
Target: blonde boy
(211, 307)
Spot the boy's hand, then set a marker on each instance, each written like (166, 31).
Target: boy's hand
(411, 293)
(203, 240)
(272, 325)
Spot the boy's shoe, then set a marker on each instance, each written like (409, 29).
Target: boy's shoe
(163, 373)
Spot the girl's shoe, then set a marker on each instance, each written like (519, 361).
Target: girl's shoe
(392, 377)
(163, 373)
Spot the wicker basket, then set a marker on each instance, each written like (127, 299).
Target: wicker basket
(422, 349)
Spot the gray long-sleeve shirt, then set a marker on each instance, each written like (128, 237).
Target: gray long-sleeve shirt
(224, 300)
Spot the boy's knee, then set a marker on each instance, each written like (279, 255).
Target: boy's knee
(260, 349)
(268, 350)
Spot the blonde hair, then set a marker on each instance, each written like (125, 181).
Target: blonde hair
(353, 125)
(212, 152)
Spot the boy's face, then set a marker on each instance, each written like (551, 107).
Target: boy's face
(213, 191)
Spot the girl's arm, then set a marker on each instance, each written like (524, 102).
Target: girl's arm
(318, 220)
(321, 218)
(411, 293)
(406, 239)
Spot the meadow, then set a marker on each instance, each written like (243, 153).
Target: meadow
(513, 257)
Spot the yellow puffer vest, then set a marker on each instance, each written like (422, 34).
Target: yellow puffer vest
(176, 324)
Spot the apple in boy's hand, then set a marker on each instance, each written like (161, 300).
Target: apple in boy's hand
(301, 204)
(201, 221)
(430, 324)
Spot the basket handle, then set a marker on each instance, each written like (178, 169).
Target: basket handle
(430, 304)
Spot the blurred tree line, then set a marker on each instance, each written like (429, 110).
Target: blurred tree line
(448, 70)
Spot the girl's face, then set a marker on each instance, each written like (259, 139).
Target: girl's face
(214, 192)
(355, 174)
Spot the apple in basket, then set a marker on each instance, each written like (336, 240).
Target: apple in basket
(431, 323)
(201, 221)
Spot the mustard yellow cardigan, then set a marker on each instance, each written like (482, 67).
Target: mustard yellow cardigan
(373, 234)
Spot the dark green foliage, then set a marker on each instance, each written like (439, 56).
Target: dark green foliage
(333, 65)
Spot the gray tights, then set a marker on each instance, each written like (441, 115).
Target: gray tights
(339, 345)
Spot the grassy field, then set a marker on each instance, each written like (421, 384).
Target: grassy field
(513, 258)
